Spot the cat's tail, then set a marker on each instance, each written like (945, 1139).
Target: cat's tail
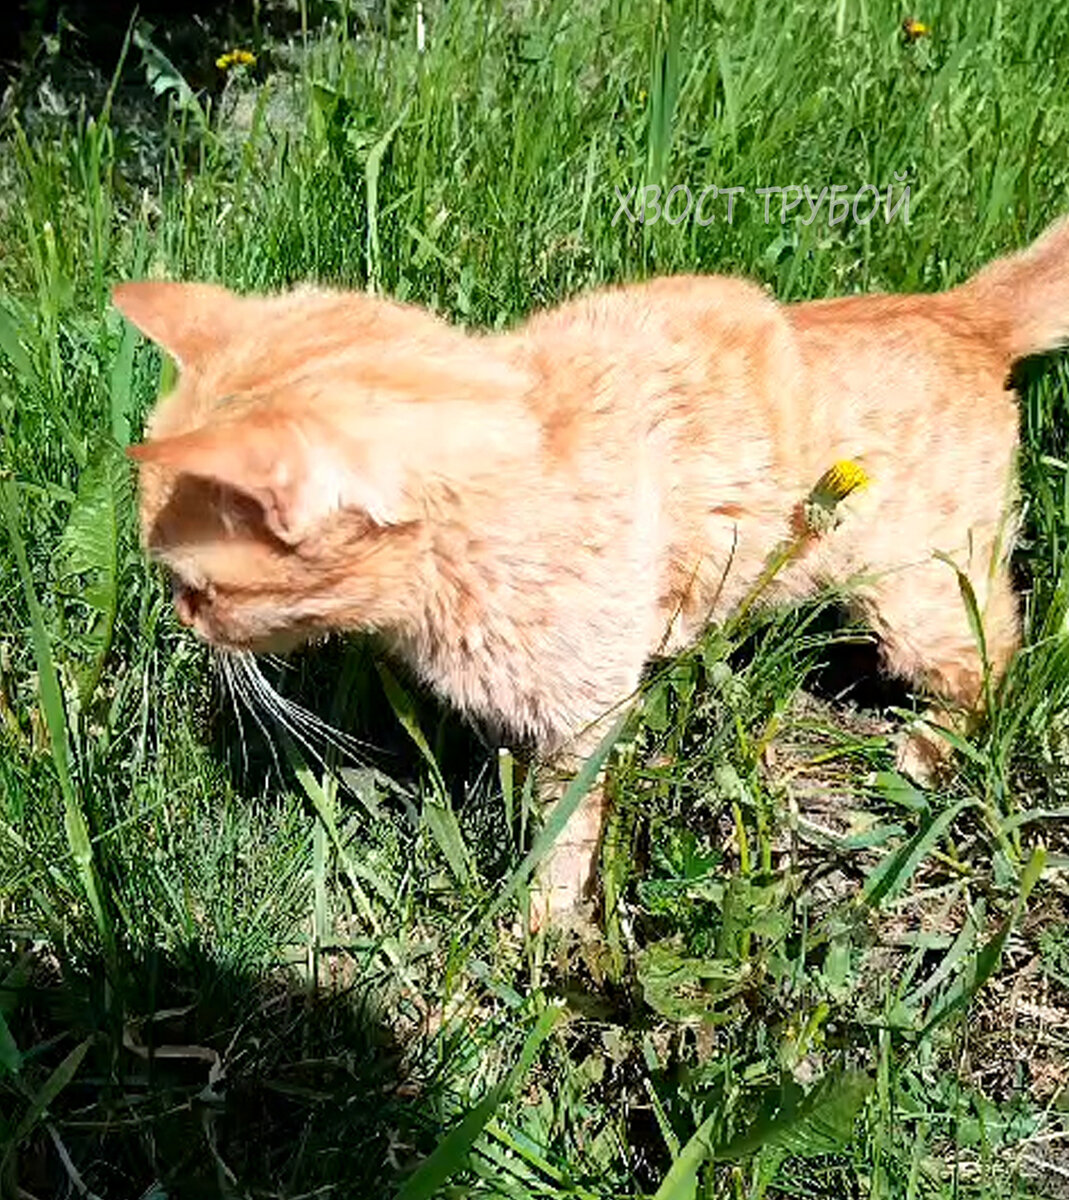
(1024, 298)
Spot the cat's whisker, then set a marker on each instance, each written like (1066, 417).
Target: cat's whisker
(245, 689)
(223, 667)
(241, 702)
(292, 714)
(304, 727)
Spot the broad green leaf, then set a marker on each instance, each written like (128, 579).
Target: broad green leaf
(681, 987)
(682, 1179)
(163, 76)
(655, 706)
(445, 829)
(451, 1153)
(806, 1124)
(89, 552)
(899, 790)
(12, 345)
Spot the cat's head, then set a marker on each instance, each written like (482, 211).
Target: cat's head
(293, 481)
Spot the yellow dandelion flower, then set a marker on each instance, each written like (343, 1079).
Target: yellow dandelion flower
(817, 517)
(840, 480)
(235, 58)
(837, 482)
(914, 29)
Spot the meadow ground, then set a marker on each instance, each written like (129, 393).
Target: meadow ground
(231, 968)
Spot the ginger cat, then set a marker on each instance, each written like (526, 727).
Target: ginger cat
(524, 516)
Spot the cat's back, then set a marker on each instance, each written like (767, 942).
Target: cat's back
(702, 360)
(660, 324)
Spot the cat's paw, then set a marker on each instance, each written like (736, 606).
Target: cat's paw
(561, 893)
(923, 756)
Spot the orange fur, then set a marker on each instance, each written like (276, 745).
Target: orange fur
(524, 515)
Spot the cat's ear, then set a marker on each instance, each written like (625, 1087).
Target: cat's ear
(295, 470)
(189, 320)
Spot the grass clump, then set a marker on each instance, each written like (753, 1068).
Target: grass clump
(222, 972)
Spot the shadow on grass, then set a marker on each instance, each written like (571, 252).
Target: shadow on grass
(844, 668)
(200, 1078)
(337, 682)
(192, 32)
(850, 670)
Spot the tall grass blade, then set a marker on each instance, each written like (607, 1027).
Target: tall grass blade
(56, 721)
(975, 618)
(437, 808)
(562, 811)
(49, 1091)
(445, 829)
(681, 1182)
(324, 810)
(895, 870)
(452, 1152)
(405, 711)
(121, 391)
(990, 955)
(372, 168)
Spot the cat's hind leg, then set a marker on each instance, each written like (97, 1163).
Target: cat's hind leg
(928, 638)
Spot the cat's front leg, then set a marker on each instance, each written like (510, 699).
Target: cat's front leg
(564, 890)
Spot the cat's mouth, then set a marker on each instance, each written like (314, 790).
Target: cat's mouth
(198, 609)
(190, 602)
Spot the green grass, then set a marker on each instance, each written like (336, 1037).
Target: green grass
(225, 975)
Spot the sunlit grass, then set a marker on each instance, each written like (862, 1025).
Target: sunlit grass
(225, 972)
